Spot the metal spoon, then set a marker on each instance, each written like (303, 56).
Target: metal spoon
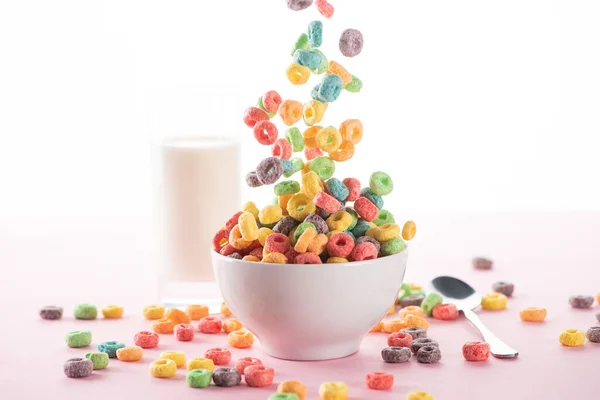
(466, 300)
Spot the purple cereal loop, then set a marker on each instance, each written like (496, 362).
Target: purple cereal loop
(226, 377)
(322, 213)
(369, 239)
(416, 333)
(51, 312)
(396, 355)
(351, 42)
(285, 225)
(429, 354)
(252, 180)
(78, 367)
(581, 301)
(299, 5)
(482, 263)
(416, 344)
(318, 222)
(412, 300)
(505, 288)
(593, 334)
(237, 256)
(598, 316)
(269, 170)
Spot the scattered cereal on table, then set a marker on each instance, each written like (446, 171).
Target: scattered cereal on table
(283, 396)
(226, 377)
(593, 334)
(533, 314)
(416, 333)
(78, 367)
(333, 391)
(51, 312)
(572, 338)
(112, 311)
(184, 332)
(218, 355)
(396, 355)
(199, 311)
(379, 380)
(99, 360)
(259, 375)
(85, 311)
(177, 356)
(419, 396)
(163, 368)
(416, 344)
(445, 312)
(210, 325)
(200, 363)
(506, 288)
(130, 354)
(581, 301)
(111, 348)
(198, 378)
(177, 316)
(399, 339)
(163, 325)
(476, 351)
(412, 300)
(293, 387)
(240, 339)
(429, 354)
(77, 339)
(494, 301)
(429, 303)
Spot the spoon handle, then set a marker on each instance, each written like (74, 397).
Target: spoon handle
(498, 348)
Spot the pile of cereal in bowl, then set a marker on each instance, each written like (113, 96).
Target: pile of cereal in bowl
(320, 218)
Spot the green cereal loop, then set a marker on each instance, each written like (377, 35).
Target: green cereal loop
(100, 360)
(393, 246)
(78, 339)
(297, 164)
(323, 166)
(85, 311)
(405, 290)
(349, 232)
(384, 217)
(381, 183)
(354, 216)
(198, 378)
(301, 43)
(275, 201)
(260, 105)
(321, 69)
(287, 187)
(284, 396)
(354, 86)
(432, 300)
(295, 138)
(300, 230)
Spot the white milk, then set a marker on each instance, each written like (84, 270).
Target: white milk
(198, 190)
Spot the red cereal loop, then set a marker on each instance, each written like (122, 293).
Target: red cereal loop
(312, 152)
(253, 115)
(255, 245)
(246, 362)
(277, 243)
(271, 101)
(367, 210)
(184, 332)
(364, 251)
(282, 149)
(210, 325)
(265, 132)
(218, 355)
(327, 202)
(259, 376)
(291, 255)
(233, 221)
(353, 186)
(220, 239)
(379, 380)
(227, 250)
(399, 339)
(325, 8)
(258, 252)
(145, 339)
(307, 258)
(340, 245)
(476, 351)
(446, 312)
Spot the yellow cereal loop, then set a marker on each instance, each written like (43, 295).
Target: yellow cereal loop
(262, 235)
(494, 301)
(393, 326)
(248, 227)
(270, 214)
(251, 208)
(251, 258)
(336, 260)
(275, 258)
(225, 310)
(384, 232)
(310, 136)
(292, 387)
(337, 69)
(177, 356)
(112, 311)
(413, 321)
(414, 286)
(163, 368)
(572, 338)
(533, 314)
(291, 234)
(231, 325)
(318, 244)
(419, 396)
(339, 221)
(300, 206)
(329, 139)
(391, 310)
(331, 233)
(409, 230)
(236, 239)
(412, 310)
(311, 184)
(313, 112)
(283, 201)
(304, 240)
(297, 74)
(333, 391)
(154, 312)
(201, 363)
(352, 130)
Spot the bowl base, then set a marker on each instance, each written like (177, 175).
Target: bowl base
(318, 352)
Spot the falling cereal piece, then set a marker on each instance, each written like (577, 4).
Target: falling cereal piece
(482, 263)
(351, 42)
(299, 5)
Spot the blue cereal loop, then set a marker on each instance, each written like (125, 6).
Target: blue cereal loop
(315, 34)
(307, 58)
(331, 87)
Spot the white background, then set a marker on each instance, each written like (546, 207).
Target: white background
(470, 105)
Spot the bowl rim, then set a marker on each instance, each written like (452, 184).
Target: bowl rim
(348, 264)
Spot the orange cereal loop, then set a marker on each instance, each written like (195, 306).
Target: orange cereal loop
(414, 286)
(154, 312)
(310, 136)
(283, 201)
(352, 130)
(292, 387)
(225, 310)
(305, 170)
(197, 311)
(377, 328)
(163, 325)
(318, 244)
(236, 240)
(533, 314)
(412, 321)
(262, 235)
(344, 153)
(240, 339)
(231, 325)
(304, 240)
(337, 69)
(131, 353)
(275, 258)
(290, 112)
(394, 325)
(598, 297)
(412, 310)
(251, 258)
(177, 316)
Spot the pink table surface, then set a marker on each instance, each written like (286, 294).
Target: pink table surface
(548, 256)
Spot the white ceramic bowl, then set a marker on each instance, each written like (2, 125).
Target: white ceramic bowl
(310, 312)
